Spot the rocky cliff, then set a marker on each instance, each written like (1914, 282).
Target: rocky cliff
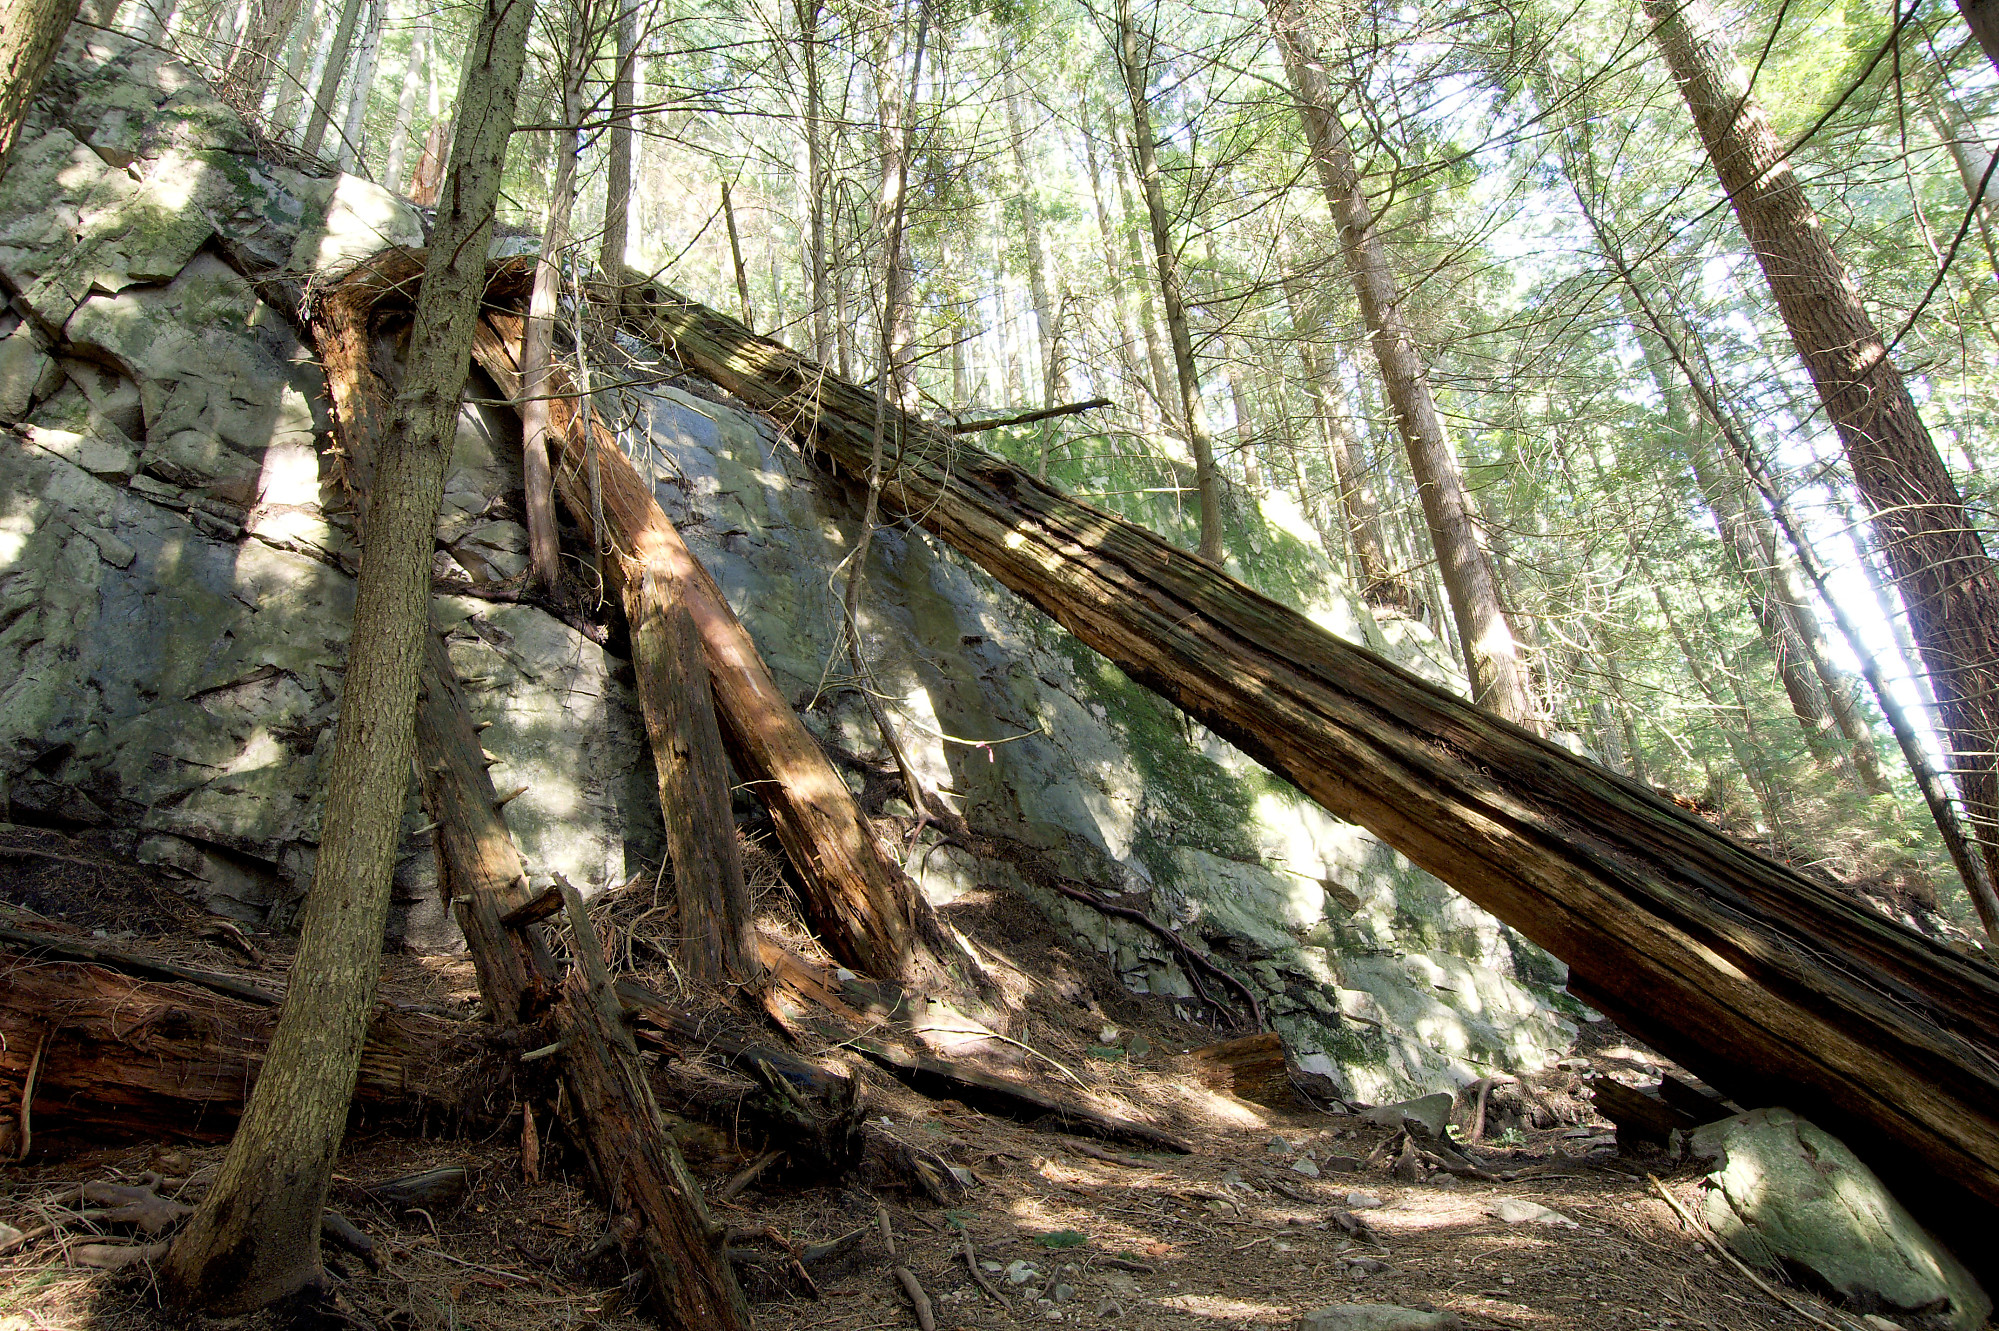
(175, 582)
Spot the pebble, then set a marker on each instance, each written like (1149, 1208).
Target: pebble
(1019, 1273)
(1517, 1211)
(1062, 1293)
(1363, 1201)
(1278, 1146)
(1303, 1165)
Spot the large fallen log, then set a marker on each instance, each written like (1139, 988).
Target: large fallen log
(116, 1055)
(1772, 987)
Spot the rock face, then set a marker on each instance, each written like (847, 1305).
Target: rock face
(1783, 1193)
(175, 579)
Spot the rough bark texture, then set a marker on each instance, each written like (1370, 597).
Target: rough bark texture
(134, 1058)
(30, 32)
(1768, 985)
(618, 155)
(1983, 16)
(856, 898)
(1499, 677)
(717, 919)
(1941, 567)
(255, 1237)
(1134, 59)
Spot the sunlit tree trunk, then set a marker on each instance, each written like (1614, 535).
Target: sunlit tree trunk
(30, 33)
(352, 125)
(1135, 59)
(537, 343)
(1498, 676)
(618, 156)
(327, 93)
(1946, 578)
(255, 1236)
(252, 63)
(414, 76)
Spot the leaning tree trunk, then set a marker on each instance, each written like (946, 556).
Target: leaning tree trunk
(1766, 984)
(1940, 563)
(1134, 61)
(1498, 676)
(255, 1237)
(544, 546)
(30, 32)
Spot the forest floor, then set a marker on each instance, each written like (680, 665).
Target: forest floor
(1230, 1236)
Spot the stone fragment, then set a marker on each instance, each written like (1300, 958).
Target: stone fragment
(1432, 1111)
(1519, 1211)
(1363, 1201)
(1278, 1146)
(1376, 1317)
(1784, 1191)
(1303, 1165)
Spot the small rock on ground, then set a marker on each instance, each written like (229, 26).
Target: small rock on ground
(1516, 1211)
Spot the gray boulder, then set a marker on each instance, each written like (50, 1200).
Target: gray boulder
(1784, 1193)
(1433, 1112)
(1376, 1317)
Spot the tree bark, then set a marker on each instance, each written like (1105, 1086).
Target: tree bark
(31, 31)
(538, 343)
(618, 154)
(736, 257)
(352, 155)
(1030, 234)
(1732, 964)
(255, 1237)
(414, 75)
(132, 1058)
(327, 94)
(1498, 676)
(254, 58)
(1983, 18)
(1940, 563)
(1134, 60)
(717, 919)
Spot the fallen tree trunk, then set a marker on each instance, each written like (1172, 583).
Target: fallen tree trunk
(1770, 986)
(114, 1055)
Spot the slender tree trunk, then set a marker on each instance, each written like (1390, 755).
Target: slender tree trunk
(815, 184)
(352, 125)
(1134, 56)
(1498, 676)
(1940, 563)
(304, 58)
(255, 1236)
(736, 257)
(252, 61)
(327, 93)
(618, 157)
(537, 349)
(155, 16)
(414, 75)
(1380, 584)
(31, 31)
(1030, 234)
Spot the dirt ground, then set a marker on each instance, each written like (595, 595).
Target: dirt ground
(1232, 1235)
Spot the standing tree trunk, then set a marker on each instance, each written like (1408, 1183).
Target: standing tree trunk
(352, 125)
(815, 183)
(252, 61)
(414, 75)
(618, 157)
(255, 1236)
(1030, 234)
(1134, 59)
(1498, 676)
(1983, 17)
(537, 351)
(30, 33)
(328, 90)
(1946, 578)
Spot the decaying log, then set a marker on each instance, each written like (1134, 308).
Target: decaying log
(127, 1057)
(1640, 1114)
(717, 919)
(949, 1079)
(1771, 987)
(44, 944)
(1251, 1068)
(609, 1108)
(857, 899)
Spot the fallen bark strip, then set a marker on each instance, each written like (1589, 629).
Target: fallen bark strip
(944, 1079)
(1772, 987)
(609, 1107)
(129, 1057)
